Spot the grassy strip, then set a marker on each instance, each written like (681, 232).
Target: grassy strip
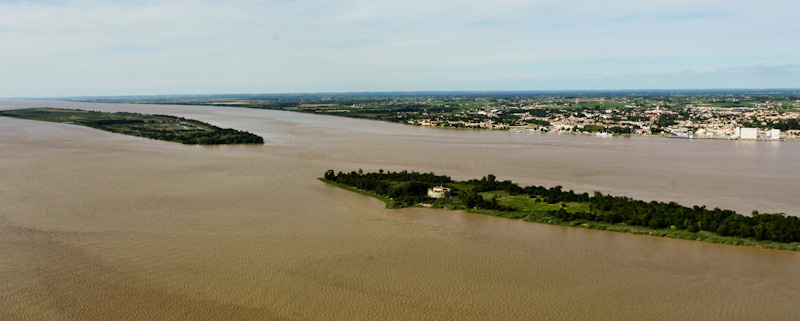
(535, 212)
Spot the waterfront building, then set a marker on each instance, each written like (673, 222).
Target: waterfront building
(774, 134)
(747, 133)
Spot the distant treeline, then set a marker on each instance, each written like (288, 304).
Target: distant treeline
(410, 188)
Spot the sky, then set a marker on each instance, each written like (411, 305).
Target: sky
(107, 48)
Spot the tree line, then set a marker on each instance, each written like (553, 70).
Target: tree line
(405, 188)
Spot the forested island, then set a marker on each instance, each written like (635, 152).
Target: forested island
(557, 206)
(162, 127)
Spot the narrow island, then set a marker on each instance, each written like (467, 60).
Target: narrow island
(161, 127)
(555, 206)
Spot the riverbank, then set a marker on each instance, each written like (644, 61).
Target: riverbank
(709, 115)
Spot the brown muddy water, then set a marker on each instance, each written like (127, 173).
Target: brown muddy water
(102, 226)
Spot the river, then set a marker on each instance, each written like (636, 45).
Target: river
(102, 226)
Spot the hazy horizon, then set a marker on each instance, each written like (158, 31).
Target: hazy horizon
(578, 92)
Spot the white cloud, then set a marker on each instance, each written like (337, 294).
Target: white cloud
(142, 47)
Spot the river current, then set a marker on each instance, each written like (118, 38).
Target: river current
(102, 226)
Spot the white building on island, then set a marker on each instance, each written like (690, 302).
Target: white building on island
(438, 192)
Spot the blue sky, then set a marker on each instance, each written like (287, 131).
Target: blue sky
(85, 47)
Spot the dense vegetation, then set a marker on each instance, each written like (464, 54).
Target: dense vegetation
(556, 206)
(787, 124)
(163, 127)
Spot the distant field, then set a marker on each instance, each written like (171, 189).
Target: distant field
(162, 127)
(617, 112)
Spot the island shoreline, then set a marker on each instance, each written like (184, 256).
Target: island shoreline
(705, 236)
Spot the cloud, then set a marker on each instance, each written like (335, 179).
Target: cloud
(90, 47)
(758, 75)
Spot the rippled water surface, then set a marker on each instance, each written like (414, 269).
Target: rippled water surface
(102, 226)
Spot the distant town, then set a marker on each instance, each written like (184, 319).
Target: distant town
(721, 114)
